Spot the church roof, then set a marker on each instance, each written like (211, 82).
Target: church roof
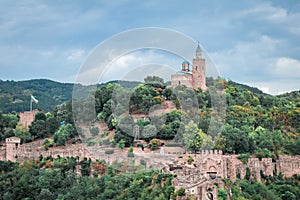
(185, 62)
(198, 48)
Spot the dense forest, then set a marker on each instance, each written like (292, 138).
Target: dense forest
(15, 95)
(50, 179)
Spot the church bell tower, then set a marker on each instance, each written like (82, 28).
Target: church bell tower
(199, 71)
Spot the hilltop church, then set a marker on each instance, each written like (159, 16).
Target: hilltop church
(193, 78)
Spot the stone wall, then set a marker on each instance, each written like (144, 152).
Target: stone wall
(206, 164)
(288, 165)
(33, 152)
(3, 152)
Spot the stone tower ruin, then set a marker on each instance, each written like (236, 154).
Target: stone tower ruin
(12, 145)
(27, 117)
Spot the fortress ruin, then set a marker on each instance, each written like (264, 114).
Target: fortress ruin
(27, 117)
(202, 177)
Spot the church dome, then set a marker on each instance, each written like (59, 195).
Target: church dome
(185, 62)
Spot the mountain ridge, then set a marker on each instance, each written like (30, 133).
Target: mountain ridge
(15, 95)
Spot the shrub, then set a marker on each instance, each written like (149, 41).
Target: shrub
(130, 153)
(244, 157)
(94, 130)
(180, 192)
(190, 160)
(155, 144)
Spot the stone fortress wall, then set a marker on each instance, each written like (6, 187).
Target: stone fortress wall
(206, 163)
(209, 167)
(13, 151)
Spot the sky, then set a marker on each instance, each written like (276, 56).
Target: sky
(254, 42)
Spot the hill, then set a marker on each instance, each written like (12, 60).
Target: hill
(291, 95)
(247, 87)
(15, 95)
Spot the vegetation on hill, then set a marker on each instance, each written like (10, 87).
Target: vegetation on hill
(57, 179)
(271, 188)
(253, 123)
(15, 95)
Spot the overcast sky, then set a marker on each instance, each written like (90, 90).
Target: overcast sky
(254, 42)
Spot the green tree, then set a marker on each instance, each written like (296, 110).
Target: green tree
(38, 129)
(194, 138)
(222, 194)
(149, 131)
(52, 125)
(64, 133)
(121, 144)
(40, 116)
(22, 133)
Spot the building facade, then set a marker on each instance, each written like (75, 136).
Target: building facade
(193, 78)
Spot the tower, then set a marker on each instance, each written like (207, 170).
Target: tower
(12, 145)
(195, 78)
(185, 66)
(199, 71)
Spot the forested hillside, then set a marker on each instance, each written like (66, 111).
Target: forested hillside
(15, 95)
(51, 179)
(252, 123)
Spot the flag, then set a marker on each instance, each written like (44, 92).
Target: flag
(34, 100)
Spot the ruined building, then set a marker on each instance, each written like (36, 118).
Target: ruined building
(194, 78)
(204, 175)
(27, 117)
